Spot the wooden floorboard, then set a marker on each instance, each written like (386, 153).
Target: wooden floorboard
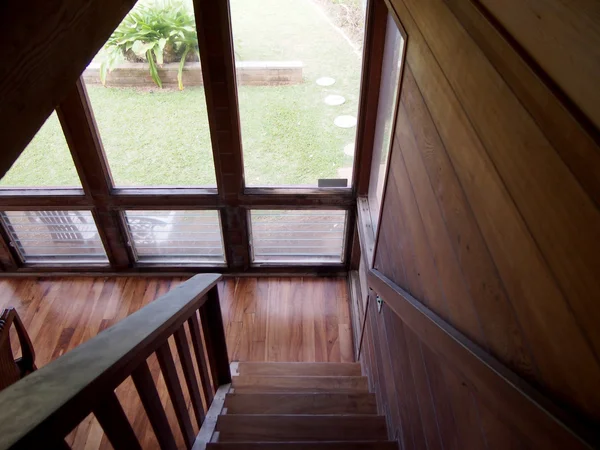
(266, 319)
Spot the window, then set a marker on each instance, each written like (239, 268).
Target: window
(45, 162)
(297, 236)
(298, 67)
(176, 237)
(48, 237)
(386, 112)
(154, 129)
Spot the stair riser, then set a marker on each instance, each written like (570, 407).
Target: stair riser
(303, 446)
(257, 428)
(245, 384)
(301, 404)
(300, 369)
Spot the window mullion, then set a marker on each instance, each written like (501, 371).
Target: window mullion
(218, 72)
(81, 132)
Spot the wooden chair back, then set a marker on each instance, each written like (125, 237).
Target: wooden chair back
(11, 369)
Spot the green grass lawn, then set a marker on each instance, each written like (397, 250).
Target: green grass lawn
(162, 138)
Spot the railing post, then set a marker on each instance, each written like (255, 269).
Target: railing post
(214, 336)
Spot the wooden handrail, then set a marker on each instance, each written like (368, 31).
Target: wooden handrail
(525, 408)
(41, 409)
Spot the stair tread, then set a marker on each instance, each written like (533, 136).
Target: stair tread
(290, 384)
(301, 403)
(286, 428)
(330, 445)
(299, 369)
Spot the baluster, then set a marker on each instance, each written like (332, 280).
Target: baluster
(207, 387)
(167, 366)
(142, 378)
(185, 357)
(214, 336)
(115, 424)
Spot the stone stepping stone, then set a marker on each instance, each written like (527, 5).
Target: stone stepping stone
(349, 149)
(335, 100)
(345, 121)
(325, 81)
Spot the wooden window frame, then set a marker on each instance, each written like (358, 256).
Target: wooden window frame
(231, 198)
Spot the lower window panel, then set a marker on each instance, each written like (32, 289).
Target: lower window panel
(297, 236)
(176, 237)
(55, 237)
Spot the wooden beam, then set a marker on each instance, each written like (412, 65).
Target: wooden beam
(47, 45)
(218, 71)
(77, 120)
(375, 26)
(286, 198)
(43, 198)
(526, 409)
(330, 270)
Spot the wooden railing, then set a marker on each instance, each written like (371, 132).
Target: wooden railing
(544, 423)
(41, 409)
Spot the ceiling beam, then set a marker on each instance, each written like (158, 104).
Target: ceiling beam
(46, 46)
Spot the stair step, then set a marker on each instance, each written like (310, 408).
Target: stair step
(255, 384)
(320, 403)
(300, 369)
(332, 445)
(291, 428)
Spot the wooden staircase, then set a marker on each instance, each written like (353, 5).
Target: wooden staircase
(295, 406)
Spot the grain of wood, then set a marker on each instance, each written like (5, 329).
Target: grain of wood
(308, 403)
(47, 307)
(265, 428)
(254, 384)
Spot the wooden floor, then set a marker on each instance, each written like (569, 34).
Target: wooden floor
(266, 319)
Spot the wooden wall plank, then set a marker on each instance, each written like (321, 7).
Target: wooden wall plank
(423, 261)
(465, 413)
(411, 426)
(564, 221)
(564, 38)
(440, 396)
(460, 305)
(427, 406)
(496, 315)
(548, 424)
(37, 71)
(518, 259)
(578, 149)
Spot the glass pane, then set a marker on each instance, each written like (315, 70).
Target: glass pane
(152, 135)
(45, 162)
(176, 237)
(298, 71)
(298, 236)
(48, 237)
(386, 112)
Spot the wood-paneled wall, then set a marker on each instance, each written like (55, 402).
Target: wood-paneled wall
(490, 216)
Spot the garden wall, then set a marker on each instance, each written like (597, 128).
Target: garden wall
(253, 73)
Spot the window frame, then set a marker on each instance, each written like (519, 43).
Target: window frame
(231, 198)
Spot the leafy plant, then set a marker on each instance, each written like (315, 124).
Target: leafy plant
(150, 32)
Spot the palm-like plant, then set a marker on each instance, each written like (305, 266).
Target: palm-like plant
(147, 31)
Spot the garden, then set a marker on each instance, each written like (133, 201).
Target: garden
(158, 135)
